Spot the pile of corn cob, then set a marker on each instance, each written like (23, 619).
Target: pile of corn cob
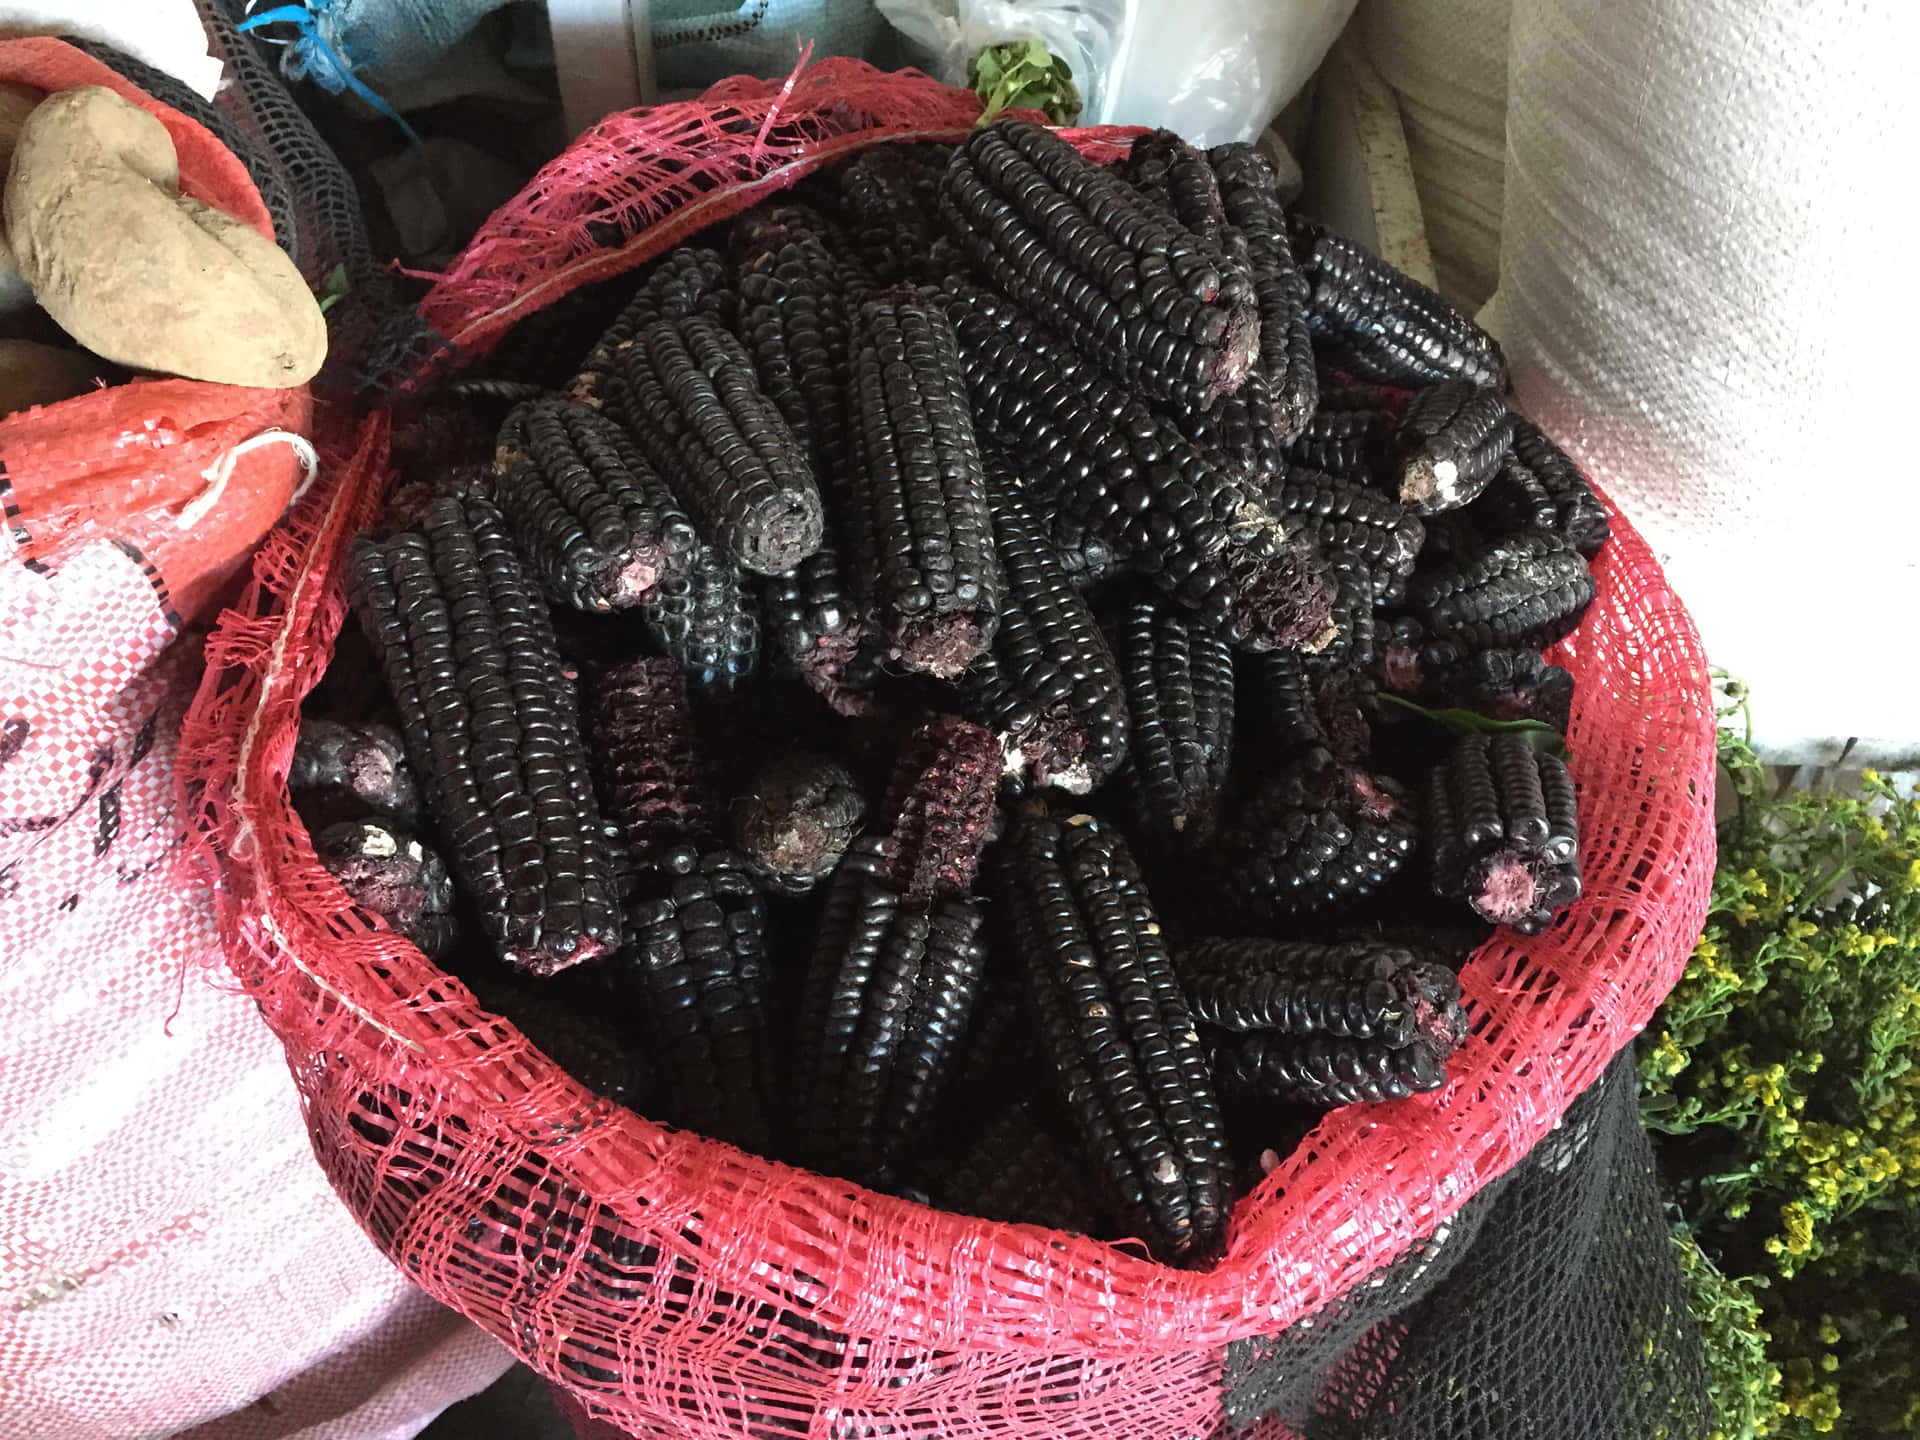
(908, 696)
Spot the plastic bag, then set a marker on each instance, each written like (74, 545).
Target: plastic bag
(1703, 296)
(1213, 70)
(689, 1289)
(165, 34)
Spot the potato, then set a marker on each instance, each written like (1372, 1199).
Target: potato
(137, 272)
(33, 374)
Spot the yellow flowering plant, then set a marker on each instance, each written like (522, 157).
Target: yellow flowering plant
(1780, 1081)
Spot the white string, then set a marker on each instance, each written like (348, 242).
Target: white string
(221, 471)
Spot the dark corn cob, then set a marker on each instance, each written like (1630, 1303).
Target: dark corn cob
(888, 996)
(1356, 592)
(1107, 467)
(702, 616)
(1015, 1172)
(1242, 428)
(1539, 488)
(814, 625)
(891, 195)
(1087, 563)
(796, 822)
(1181, 181)
(1325, 1071)
(652, 787)
(1048, 688)
(1129, 286)
(1400, 664)
(999, 1061)
(695, 964)
(1250, 192)
(940, 810)
(492, 729)
(578, 1032)
(697, 410)
(920, 529)
(489, 391)
(595, 521)
(1179, 684)
(794, 321)
(350, 771)
(1505, 685)
(1505, 835)
(1380, 325)
(1125, 1054)
(1527, 590)
(1452, 438)
(1350, 522)
(687, 280)
(1294, 707)
(387, 872)
(1351, 435)
(1352, 991)
(1320, 836)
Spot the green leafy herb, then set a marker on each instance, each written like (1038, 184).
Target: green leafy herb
(1025, 75)
(1540, 735)
(1782, 1073)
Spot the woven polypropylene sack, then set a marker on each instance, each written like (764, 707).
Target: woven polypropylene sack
(1701, 295)
(1447, 63)
(688, 1289)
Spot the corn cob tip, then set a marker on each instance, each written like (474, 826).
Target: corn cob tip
(1286, 600)
(1053, 750)
(1433, 991)
(1514, 887)
(942, 646)
(1432, 484)
(1240, 347)
(797, 821)
(389, 873)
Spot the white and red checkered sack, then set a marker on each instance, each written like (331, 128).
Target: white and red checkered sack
(169, 1251)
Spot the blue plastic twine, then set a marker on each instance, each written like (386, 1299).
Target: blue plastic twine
(312, 58)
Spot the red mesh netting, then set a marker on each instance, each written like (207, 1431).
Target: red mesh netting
(642, 181)
(690, 1289)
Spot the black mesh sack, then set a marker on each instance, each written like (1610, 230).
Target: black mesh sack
(1550, 1306)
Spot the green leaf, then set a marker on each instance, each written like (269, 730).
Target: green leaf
(339, 285)
(1537, 733)
(1024, 75)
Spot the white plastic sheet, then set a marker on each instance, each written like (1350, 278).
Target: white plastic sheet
(1212, 70)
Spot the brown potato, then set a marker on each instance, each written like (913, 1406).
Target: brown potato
(137, 272)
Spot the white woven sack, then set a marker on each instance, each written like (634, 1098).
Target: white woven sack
(1706, 293)
(1447, 63)
(172, 1259)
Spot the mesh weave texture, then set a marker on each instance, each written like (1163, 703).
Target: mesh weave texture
(688, 1289)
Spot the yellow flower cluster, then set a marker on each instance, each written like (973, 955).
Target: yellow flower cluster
(1793, 1041)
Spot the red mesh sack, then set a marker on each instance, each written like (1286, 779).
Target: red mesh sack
(680, 1287)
